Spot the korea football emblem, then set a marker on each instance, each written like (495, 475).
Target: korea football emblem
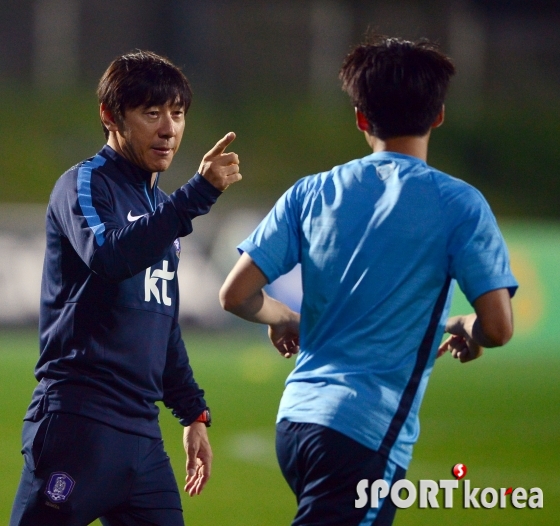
(60, 486)
(177, 245)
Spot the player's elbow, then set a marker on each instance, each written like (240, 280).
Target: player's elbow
(497, 334)
(494, 318)
(225, 299)
(242, 294)
(230, 299)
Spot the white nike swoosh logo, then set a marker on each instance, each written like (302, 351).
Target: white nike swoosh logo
(131, 218)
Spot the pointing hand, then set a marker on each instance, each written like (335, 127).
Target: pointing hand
(221, 168)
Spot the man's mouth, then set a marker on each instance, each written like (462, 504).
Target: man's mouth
(163, 150)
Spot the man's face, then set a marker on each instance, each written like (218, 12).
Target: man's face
(150, 136)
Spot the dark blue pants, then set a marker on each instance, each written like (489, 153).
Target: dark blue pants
(77, 470)
(323, 468)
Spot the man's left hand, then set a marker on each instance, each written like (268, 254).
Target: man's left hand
(199, 457)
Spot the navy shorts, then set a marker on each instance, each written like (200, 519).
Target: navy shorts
(77, 470)
(323, 468)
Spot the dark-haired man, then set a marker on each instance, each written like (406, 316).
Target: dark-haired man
(110, 341)
(381, 241)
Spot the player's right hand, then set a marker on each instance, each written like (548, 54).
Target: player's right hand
(221, 168)
(285, 337)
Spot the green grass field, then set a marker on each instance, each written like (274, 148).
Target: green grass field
(499, 416)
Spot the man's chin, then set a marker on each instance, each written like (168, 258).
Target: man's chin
(159, 166)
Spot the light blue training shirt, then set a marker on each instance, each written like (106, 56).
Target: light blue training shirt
(381, 241)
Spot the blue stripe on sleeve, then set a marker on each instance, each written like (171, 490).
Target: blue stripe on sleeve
(85, 200)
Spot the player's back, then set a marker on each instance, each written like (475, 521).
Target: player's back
(374, 254)
(376, 236)
(380, 241)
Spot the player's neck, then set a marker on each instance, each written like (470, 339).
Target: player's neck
(407, 145)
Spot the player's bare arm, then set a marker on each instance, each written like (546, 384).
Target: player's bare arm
(199, 457)
(490, 326)
(242, 294)
(218, 167)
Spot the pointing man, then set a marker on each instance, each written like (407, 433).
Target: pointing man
(110, 342)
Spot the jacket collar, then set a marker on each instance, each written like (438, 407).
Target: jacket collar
(132, 172)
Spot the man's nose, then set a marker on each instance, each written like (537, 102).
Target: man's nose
(168, 127)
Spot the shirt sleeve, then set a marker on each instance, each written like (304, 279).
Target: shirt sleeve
(479, 258)
(275, 245)
(181, 393)
(83, 210)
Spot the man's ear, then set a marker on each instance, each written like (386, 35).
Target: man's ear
(107, 118)
(361, 121)
(440, 118)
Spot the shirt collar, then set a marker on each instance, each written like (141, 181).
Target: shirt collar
(130, 170)
(393, 156)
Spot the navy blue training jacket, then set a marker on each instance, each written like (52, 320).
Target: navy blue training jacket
(110, 340)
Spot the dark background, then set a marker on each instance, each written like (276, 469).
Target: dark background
(268, 70)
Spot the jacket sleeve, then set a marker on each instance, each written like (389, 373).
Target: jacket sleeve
(88, 216)
(181, 393)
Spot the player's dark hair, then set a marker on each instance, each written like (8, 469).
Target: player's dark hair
(142, 78)
(398, 85)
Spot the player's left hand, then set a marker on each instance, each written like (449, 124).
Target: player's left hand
(460, 348)
(460, 343)
(199, 457)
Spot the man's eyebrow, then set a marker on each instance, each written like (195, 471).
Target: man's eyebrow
(173, 104)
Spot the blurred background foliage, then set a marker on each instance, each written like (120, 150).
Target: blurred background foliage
(511, 154)
(268, 71)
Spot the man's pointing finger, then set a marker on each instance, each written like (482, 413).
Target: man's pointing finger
(221, 145)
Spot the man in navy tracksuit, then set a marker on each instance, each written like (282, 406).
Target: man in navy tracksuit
(109, 336)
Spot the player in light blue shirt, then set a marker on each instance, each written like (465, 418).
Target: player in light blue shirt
(381, 241)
